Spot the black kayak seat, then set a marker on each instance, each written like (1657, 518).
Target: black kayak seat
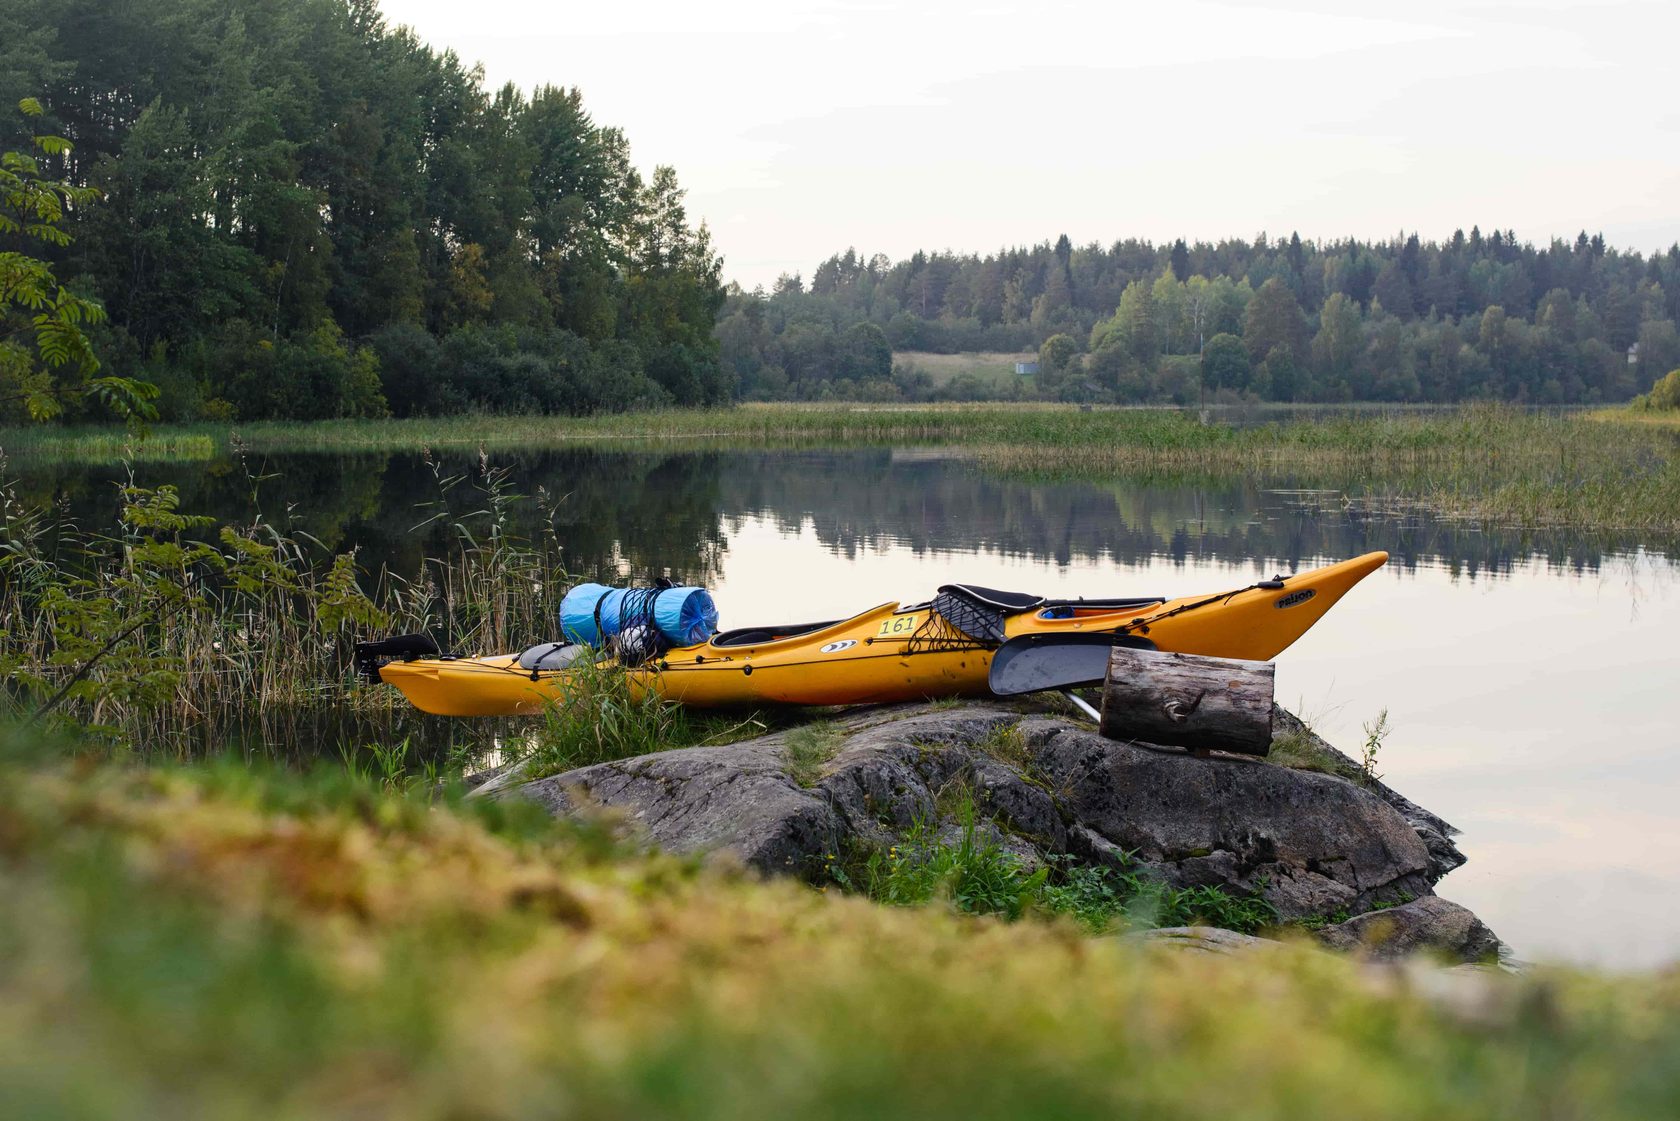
(754, 636)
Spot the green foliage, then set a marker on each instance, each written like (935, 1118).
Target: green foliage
(47, 361)
(601, 717)
(175, 631)
(975, 874)
(1664, 395)
(1400, 320)
(1058, 362)
(1225, 363)
(1375, 732)
(1103, 898)
(286, 181)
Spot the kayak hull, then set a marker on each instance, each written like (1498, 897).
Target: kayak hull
(878, 657)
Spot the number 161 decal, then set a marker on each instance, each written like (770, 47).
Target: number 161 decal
(898, 625)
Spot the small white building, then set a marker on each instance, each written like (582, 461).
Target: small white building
(1633, 354)
(1025, 369)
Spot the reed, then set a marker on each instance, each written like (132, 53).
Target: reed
(173, 635)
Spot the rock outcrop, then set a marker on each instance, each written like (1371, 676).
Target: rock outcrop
(1430, 923)
(1316, 846)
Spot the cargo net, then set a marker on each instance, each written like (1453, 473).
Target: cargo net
(638, 639)
(957, 622)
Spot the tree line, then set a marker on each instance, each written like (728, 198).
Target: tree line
(289, 209)
(1475, 316)
(294, 210)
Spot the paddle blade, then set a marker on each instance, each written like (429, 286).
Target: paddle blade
(1036, 662)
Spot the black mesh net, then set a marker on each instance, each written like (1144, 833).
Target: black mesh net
(957, 622)
(638, 639)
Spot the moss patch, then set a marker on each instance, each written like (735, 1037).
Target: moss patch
(229, 944)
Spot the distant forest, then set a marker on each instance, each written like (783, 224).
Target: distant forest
(309, 214)
(302, 213)
(1477, 316)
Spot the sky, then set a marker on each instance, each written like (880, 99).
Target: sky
(803, 127)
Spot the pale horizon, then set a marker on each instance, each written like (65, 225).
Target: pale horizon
(805, 128)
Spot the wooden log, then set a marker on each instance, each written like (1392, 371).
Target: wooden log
(1187, 700)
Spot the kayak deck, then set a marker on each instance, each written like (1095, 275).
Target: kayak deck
(894, 653)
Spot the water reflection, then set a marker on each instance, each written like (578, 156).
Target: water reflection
(634, 514)
(1535, 710)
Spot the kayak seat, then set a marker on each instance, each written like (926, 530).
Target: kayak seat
(1010, 603)
(976, 614)
(754, 636)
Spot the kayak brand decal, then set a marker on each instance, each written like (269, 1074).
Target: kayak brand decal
(836, 647)
(1295, 599)
(899, 625)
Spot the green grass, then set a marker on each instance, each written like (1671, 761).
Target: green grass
(205, 942)
(601, 719)
(1299, 752)
(975, 874)
(810, 746)
(1006, 744)
(993, 368)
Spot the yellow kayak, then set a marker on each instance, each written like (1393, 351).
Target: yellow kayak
(941, 648)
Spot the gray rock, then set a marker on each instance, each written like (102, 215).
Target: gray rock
(886, 779)
(1435, 833)
(737, 798)
(1309, 843)
(1430, 924)
(1201, 940)
(1443, 854)
(486, 784)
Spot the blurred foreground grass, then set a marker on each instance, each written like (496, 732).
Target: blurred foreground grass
(216, 942)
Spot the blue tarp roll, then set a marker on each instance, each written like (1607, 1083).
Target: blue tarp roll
(683, 615)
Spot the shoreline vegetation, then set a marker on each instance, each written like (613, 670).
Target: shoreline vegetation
(317, 945)
(1600, 471)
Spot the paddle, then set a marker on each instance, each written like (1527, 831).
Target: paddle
(1034, 663)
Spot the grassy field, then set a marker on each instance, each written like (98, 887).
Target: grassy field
(1483, 463)
(213, 942)
(1650, 418)
(993, 368)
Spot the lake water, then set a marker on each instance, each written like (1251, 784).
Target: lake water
(1529, 679)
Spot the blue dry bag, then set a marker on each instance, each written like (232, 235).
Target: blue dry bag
(593, 613)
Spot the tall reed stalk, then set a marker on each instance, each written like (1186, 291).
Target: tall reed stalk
(171, 633)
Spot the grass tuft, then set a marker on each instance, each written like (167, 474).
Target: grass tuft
(809, 747)
(601, 719)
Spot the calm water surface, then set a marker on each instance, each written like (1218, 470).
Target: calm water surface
(1529, 679)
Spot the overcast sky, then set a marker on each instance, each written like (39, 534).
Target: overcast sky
(801, 127)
